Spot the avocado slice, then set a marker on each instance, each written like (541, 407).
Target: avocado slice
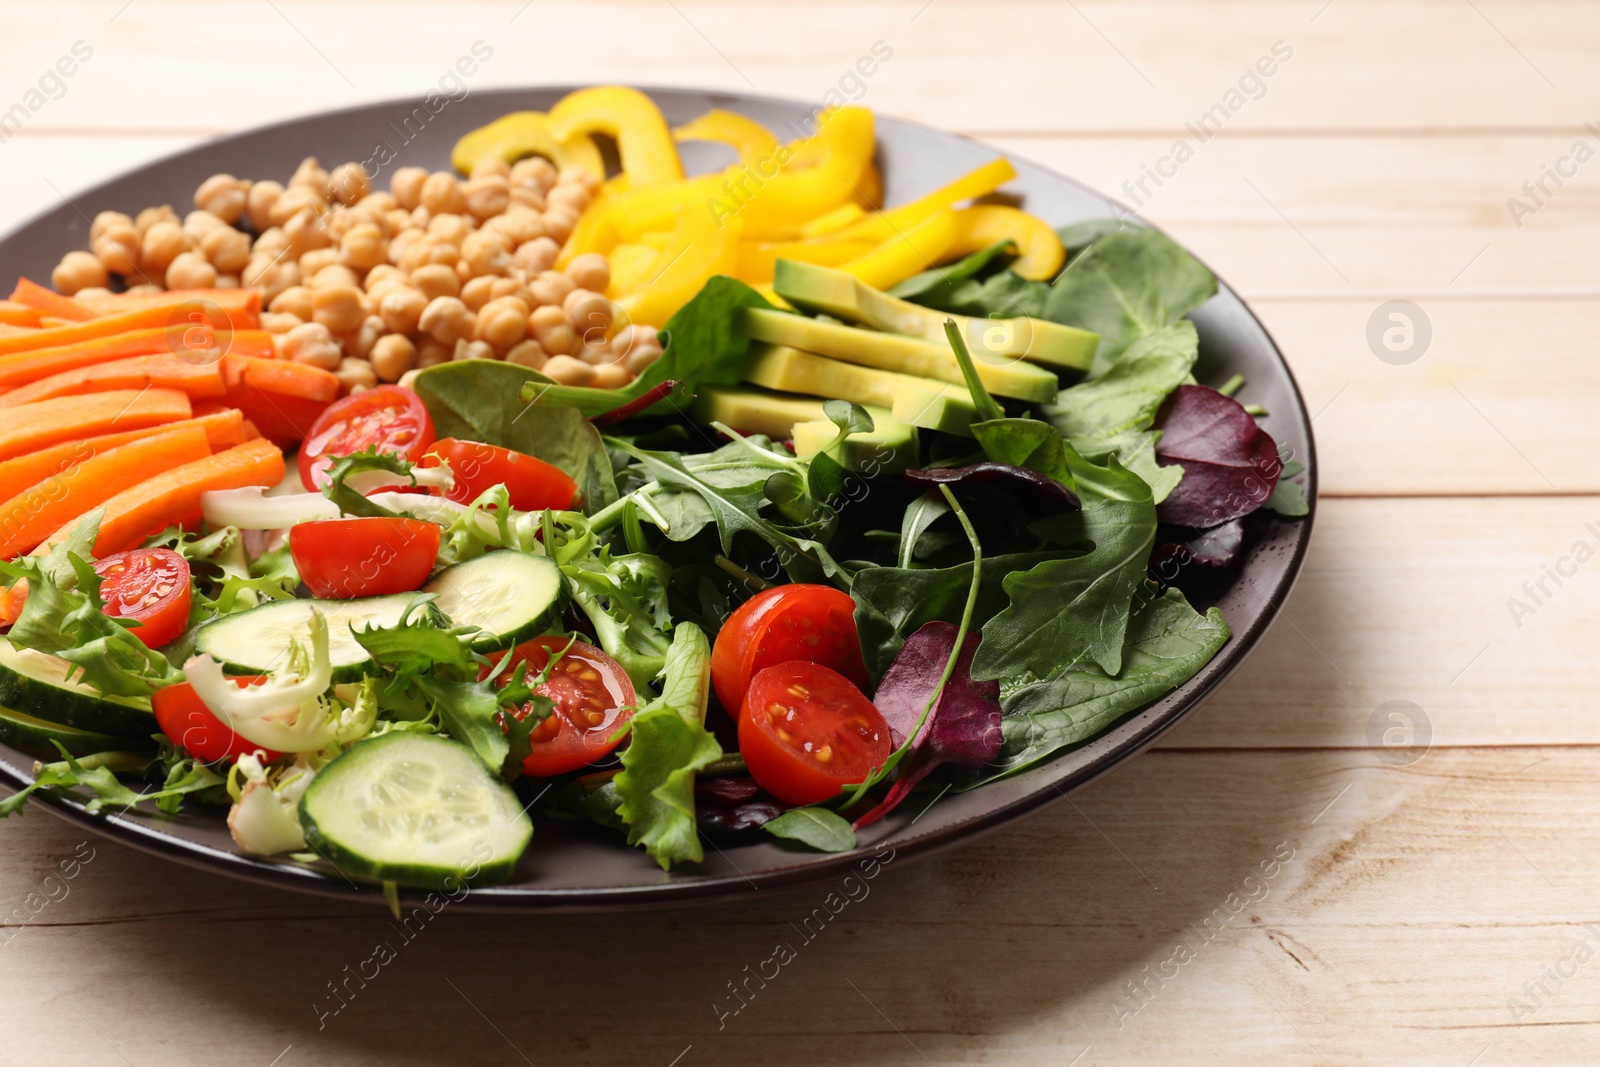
(813, 287)
(929, 404)
(1004, 376)
(757, 411)
(888, 448)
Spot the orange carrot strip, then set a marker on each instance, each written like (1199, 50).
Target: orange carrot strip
(224, 429)
(233, 301)
(173, 310)
(160, 372)
(281, 376)
(49, 422)
(173, 498)
(14, 314)
(62, 499)
(23, 367)
(50, 302)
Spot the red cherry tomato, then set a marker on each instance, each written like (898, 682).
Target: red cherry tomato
(533, 484)
(193, 727)
(815, 623)
(806, 732)
(392, 418)
(339, 559)
(593, 698)
(150, 586)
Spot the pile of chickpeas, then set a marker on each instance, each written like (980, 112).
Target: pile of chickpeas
(375, 286)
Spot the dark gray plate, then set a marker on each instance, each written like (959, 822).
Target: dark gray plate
(575, 868)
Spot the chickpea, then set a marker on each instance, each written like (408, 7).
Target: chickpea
(305, 233)
(363, 247)
(611, 376)
(486, 251)
(436, 280)
(296, 199)
(431, 353)
(527, 354)
(280, 322)
(145, 289)
(258, 204)
(191, 271)
(295, 300)
(163, 242)
(106, 221)
(450, 227)
(152, 215)
(118, 248)
(487, 196)
(91, 293)
(406, 185)
(379, 202)
(491, 167)
(535, 171)
(272, 242)
(408, 380)
(311, 344)
(442, 193)
(532, 199)
(538, 255)
(77, 272)
(430, 251)
(338, 307)
(401, 308)
(353, 372)
(518, 225)
(224, 196)
(339, 222)
(331, 276)
(314, 262)
(577, 301)
(392, 356)
(568, 371)
(590, 271)
(499, 287)
(226, 281)
(641, 355)
(559, 223)
(397, 221)
(503, 322)
(270, 274)
(420, 217)
(447, 320)
(548, 325)
(400, 243)
(361, 341)
(473, 350)
(476, 292)
(310, 175)
(380, 273)
(228, 249)
(349, 183)
(570, 196)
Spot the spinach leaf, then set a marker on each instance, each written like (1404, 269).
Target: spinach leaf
(936, 288)
(1129, 393)
(819, 828)
(1168, 642)
(1289, 498)
(706, 343)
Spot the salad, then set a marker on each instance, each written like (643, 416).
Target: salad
(390, 523)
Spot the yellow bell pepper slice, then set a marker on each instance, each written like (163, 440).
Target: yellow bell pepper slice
(883, 225)
(522, 134)
(869, 193)
(594, 231)
(837, 219)
(911, 252)
(631, 265)
(751, 140)
(699, 249)
(649, 155)
(984, 224)
(758, 258)
(770, 200)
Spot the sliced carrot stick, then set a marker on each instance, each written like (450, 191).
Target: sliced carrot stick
(223, 429)
(173, 497)
(30, 517)
(15, 314)
(67, 418)
(171, 310)
(50, 302)
(233, 301)
(161, 372)
(7, 330)
(281, 376)
(20, 368)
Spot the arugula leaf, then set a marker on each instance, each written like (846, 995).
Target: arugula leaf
(922, 513)
(1168, 642)
(98, 774)
(818, 828)
(1289, 498)
(471, 713)
(625, 599)
(988, 408)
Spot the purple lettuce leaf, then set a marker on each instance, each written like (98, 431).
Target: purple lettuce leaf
(1230, 464)
(962, 730)
(1216, 547)
(733, 802)
(1044, 492)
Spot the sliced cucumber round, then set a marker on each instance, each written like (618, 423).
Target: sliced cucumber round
(34, 735)
(36, 684)
(510, 596)
(416, 809)
(258, 641)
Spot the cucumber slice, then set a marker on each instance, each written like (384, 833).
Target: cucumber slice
(34, 735)
(257, 641)
(417, 809)
(511, 596)
(35, 684)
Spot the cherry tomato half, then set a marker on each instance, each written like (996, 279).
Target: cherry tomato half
(814, 623)
(806, 732)
(340, 559)
(593, 699)
(532, 484)
(392, 418)
(193, 727)
(150, 586)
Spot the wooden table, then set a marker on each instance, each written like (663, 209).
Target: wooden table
(1270, 885)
